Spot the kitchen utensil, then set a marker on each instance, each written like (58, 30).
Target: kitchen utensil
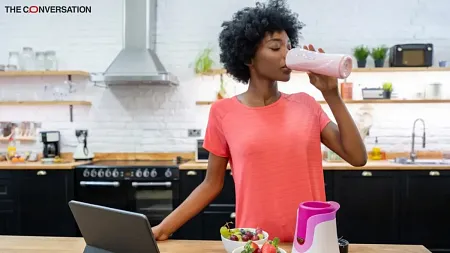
(336, 65)
(316, 230)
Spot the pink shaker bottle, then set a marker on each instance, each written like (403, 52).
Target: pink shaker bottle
(335, 65)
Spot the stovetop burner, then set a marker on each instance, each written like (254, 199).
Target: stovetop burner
(132, 163)
(129, 170)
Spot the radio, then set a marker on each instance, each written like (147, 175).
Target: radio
(411, 55)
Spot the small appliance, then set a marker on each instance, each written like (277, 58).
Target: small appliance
(82, 153)
(51, 141)
(411, 55)
(201, 154)
(372, 93)
(316, 230)
(336, 65)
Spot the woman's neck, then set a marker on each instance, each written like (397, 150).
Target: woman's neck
(261, 92)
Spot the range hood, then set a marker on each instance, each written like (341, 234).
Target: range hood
(137, 62)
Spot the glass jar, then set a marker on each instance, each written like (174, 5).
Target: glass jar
(40, 61)
(51, 62)
(13, 61)
(28, 59)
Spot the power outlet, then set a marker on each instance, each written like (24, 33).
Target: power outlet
(194, 132)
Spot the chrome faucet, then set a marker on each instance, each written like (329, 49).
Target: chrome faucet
(413, 154)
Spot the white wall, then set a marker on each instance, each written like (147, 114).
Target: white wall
(156, 119)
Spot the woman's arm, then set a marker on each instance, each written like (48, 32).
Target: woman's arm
(204, 194)
(344, 138)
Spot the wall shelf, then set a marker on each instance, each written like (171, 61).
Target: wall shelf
(44, 103)
(360, 70)
(22, 138)
(372, 101)
(42, 73)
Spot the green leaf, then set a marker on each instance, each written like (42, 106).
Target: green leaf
(275, 242)
(379, 53)
(361, 52)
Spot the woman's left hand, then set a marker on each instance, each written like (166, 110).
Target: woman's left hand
(326, 84)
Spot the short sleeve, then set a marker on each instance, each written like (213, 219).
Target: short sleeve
(214, 140)
(323, 117)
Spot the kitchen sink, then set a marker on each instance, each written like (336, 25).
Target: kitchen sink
(421, 161)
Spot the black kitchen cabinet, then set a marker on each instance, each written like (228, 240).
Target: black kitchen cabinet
(377, 206)
(425, 209)
(42, 197)
(369, 201)
(329, 183)
(206, 224)
(213, 220)
(193, 229)
(9, 218)
(221, 210)
(227, 196)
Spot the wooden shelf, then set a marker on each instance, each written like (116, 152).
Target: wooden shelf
(42, 73)
(360, 70)
(42, 103)
(372, 101)
(24, 139)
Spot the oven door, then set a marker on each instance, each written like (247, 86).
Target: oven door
(113, 194)
(156, 199)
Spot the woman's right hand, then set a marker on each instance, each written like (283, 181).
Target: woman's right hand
(159, 233)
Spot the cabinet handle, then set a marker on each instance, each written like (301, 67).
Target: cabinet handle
(434, 173)
(41, 173)
(191, 173)
(366, 174)
(233, 215)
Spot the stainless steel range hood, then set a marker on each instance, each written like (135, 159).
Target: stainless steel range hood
(137, 62)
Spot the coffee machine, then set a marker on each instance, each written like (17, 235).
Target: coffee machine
(51, 141)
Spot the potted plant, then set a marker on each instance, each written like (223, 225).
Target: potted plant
(204, 63)
(379, 54)
(222, 91)
(387, 90)
(361, 53)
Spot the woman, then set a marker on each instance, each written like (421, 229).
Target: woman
(272, 140)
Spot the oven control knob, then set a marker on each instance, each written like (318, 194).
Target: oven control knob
(115, 173)
(86, 173)
(153, 173)
(139, 173)
(100, 173)
(146, 173)
(93, 173)
(168, 173)
(107, 173)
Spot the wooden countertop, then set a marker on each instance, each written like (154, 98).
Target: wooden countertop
(23, 244)
(371, 165)
(39, 166)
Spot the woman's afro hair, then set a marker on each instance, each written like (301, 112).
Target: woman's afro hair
(241, 36)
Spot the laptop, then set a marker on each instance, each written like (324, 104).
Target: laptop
(109, 230)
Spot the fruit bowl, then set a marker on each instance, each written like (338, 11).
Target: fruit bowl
(240, 249)
(230, 245)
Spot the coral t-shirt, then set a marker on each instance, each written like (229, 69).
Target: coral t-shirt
(275, 157)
